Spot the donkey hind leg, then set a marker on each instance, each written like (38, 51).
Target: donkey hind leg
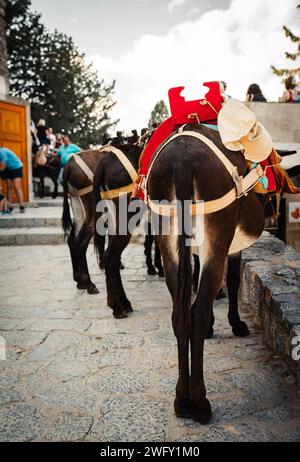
(148, 253)
(239, 328)
(116, 297)
(201, 321)
(42, 187)
(78, 242)
(157, 259)
(168, 246)
(54, 179)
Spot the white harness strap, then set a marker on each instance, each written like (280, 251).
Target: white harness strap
(84, 167)
(242, 185)
(124, 161)
(113, 193)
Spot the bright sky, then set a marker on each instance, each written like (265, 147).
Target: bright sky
(149, 46)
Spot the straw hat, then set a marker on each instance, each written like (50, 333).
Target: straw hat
(240, 131)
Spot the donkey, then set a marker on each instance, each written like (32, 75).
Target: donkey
(188, 170)
(78, 185)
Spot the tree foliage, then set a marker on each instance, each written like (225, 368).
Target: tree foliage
(48, 70)
(159, 114)
(291, 56)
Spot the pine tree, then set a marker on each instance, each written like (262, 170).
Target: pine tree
(48, 70)
(159, 114)
(292, 56)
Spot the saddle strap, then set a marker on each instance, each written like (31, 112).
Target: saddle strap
(232, 169)
(84, 167)
(73, 192)
(114, 193)
(242, 185)
(124, 161)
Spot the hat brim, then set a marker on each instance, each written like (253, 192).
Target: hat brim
(260, 147)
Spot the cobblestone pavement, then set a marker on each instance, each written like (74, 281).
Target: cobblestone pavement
(74, 373)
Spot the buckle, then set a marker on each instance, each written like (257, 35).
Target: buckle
(238, 181)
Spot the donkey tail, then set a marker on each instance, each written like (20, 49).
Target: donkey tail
(99, 239)
(66, 219)
(184, 191)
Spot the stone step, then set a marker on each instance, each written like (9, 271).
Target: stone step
(33, 218)
(48, 202)
(31, 236)
(13, 222)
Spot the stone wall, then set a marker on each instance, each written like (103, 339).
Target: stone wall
(281, 120)
(270, 290)
(283, 123)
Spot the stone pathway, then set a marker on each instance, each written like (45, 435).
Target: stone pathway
(74, 373)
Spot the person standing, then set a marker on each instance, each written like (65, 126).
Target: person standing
(11, 170)
(65, 152)
(42, 133)
(52, 139)
(254, 94)
(290, 94)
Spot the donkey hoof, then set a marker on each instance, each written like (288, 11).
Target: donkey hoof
(92, 290)
(161, 273)
(182, 408)
(151, 271)
(81, 286)
(201, 413)
(122, 315)
(241, 330)
(129, 309)
(210, 333)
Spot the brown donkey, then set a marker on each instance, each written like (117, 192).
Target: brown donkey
(78, 184)
(188, 170)
(79, 229)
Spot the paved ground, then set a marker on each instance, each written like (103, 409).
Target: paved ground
(75, 373)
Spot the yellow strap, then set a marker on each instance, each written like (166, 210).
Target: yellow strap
(113, 193)
(201, 208)
(80, 192)
(204, 208)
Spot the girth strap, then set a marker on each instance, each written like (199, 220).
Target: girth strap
(80, 192)
(113, 193)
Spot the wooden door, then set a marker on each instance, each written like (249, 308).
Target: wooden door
(13, 136)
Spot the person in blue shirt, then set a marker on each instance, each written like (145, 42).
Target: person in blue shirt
(65, 152)
(11, 170)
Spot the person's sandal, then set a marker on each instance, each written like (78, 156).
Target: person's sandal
(22, 209)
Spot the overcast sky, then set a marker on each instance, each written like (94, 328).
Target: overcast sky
(149, 46)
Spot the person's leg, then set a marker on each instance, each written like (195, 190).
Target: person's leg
(17, 183)
(9, 190)
(2, 203)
